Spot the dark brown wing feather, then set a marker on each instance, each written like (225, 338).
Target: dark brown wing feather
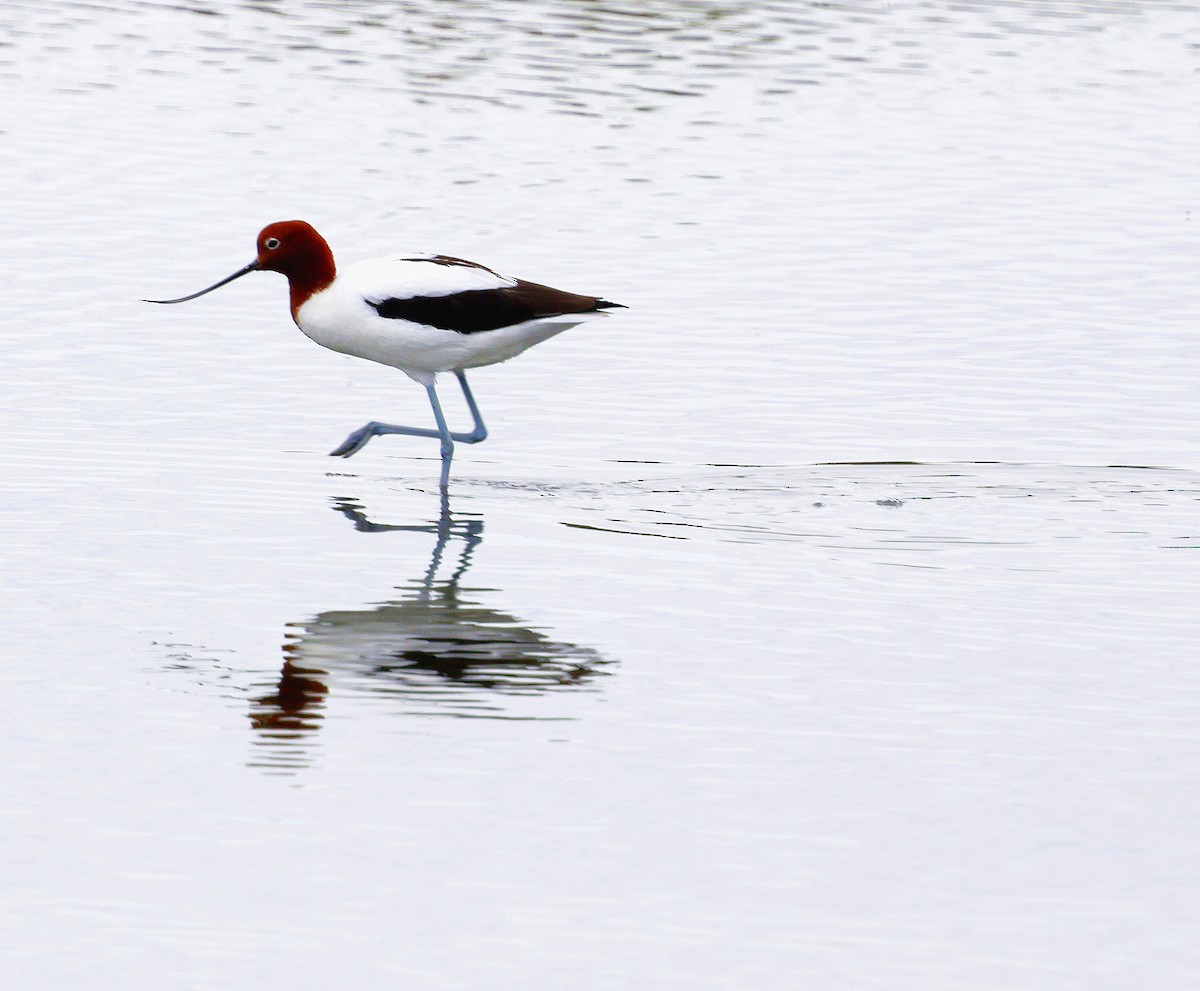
(449, 261)
(488, 309)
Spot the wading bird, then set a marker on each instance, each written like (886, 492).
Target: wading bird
(422, 314)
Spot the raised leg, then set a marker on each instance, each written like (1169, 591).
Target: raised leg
(357, 440)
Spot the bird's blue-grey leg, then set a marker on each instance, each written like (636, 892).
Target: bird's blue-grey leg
(357, 440)
(480, 431)
(444, 431)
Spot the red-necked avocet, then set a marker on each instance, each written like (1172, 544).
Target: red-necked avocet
(422, 314)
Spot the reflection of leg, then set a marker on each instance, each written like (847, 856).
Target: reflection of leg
(443, 525)
(470, 531)
(442, 528)
(357, 440)
(480, 431)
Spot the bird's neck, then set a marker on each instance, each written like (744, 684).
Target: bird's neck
(311, 274)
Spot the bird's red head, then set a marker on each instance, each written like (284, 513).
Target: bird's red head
(287, 245)
(295, 249)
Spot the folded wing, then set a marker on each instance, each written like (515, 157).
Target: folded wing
(452, 294)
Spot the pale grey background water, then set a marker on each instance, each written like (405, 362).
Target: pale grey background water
(827, 619)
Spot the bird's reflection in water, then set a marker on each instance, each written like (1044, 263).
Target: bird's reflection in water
(433, 651)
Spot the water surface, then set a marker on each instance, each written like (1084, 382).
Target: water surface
(826, 618)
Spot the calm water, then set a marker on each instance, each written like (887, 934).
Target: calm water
(827, 619)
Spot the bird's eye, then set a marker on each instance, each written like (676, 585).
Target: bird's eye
(272, 243)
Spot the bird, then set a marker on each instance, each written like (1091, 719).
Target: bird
(420, 313)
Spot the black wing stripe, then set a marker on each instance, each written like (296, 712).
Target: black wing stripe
(487, 309)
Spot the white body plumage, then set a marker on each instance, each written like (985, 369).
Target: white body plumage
(342, 318)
